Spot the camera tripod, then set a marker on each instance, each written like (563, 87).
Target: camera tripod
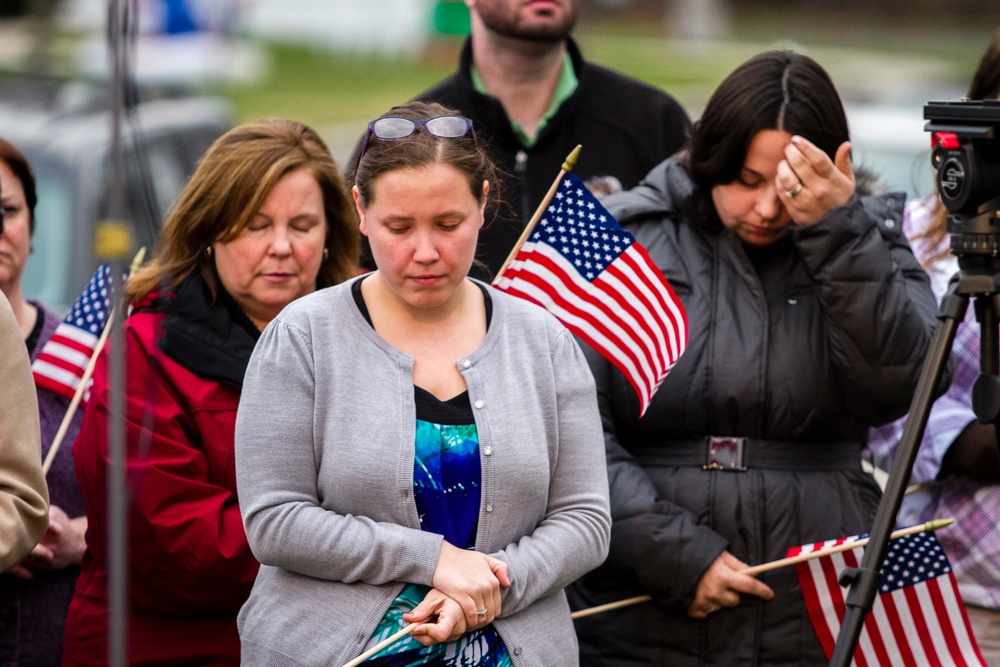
(978, 279)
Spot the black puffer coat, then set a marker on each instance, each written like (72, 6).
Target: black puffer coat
(799, 347)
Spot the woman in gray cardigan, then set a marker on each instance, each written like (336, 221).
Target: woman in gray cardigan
(413, 448)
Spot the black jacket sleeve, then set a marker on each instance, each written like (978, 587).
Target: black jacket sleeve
(877, 301)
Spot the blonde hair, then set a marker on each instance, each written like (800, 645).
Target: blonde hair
(229, 186)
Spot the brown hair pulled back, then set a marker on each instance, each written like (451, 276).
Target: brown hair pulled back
(422, 149)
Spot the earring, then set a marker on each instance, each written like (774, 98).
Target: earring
(326, 254)
(208, 251)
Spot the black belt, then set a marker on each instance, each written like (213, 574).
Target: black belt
(740, 454)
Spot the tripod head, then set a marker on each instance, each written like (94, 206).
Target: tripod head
(966, 154)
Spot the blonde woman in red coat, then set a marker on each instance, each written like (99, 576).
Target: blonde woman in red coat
(264, 220)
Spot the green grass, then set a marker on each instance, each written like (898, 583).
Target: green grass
(343, 90)
(327, 89)
(321, 88)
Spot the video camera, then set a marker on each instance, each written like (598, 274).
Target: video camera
(965, 137)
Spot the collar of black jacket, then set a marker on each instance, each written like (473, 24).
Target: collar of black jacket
(465, 58)
(693, 203)
(570, 103)
(667, 190)
(211, 338)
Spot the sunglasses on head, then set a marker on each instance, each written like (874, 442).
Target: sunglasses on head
(391, 128)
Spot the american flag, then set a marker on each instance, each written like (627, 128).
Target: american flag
(918, 617)
(581, 266)
(64, 358)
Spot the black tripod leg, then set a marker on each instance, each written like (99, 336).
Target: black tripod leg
(986, 391)
(864, 580)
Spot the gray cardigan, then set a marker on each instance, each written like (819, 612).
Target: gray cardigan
(324, 463)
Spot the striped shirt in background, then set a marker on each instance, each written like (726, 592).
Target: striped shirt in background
(973, 541)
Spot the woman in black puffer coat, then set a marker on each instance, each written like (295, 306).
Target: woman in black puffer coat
(809, 320)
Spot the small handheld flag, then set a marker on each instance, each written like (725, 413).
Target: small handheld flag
(93, 311)
(64, 358)
(581, 266)
(918, 618)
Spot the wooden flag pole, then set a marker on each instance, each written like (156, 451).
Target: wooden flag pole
(775, 564)
(567, 166)
(381, 645)
(846, 546)
(87, 373)
(77, 396)
(601, 608)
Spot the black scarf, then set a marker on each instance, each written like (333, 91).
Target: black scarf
(213, 339)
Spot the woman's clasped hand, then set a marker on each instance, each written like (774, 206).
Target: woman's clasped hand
(466, 595)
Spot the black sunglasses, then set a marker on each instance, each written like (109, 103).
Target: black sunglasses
(391, 128)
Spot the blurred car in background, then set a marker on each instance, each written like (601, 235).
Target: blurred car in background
(889, 142)
(65, 132)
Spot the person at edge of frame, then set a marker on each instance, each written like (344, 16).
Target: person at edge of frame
(24, 499)
(35, 592)
(958, 464)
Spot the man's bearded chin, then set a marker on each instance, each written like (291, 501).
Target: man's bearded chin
(545, 33)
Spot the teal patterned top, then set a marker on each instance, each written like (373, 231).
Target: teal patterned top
(446, 488)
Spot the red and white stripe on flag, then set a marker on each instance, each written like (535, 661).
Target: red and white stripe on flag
(918, 618)
(64, 358)
(581, 266)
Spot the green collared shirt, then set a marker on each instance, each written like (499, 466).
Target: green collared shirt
(564, 88)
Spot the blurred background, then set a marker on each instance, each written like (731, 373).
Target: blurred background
(200, 66)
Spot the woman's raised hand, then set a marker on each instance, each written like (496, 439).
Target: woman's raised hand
(810, 184)
(473, 580)
(722, 584)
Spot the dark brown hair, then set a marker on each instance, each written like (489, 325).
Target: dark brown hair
(18, 164)
(233, 179)
(423, 149)
(774, 90)
(985, 83)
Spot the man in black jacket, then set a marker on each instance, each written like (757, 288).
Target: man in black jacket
(532, 98)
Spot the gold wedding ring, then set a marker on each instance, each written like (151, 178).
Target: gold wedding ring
(791, 194)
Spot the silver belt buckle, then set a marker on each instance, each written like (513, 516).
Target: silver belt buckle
(725, 454)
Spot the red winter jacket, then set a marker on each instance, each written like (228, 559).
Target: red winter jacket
(190, 568)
